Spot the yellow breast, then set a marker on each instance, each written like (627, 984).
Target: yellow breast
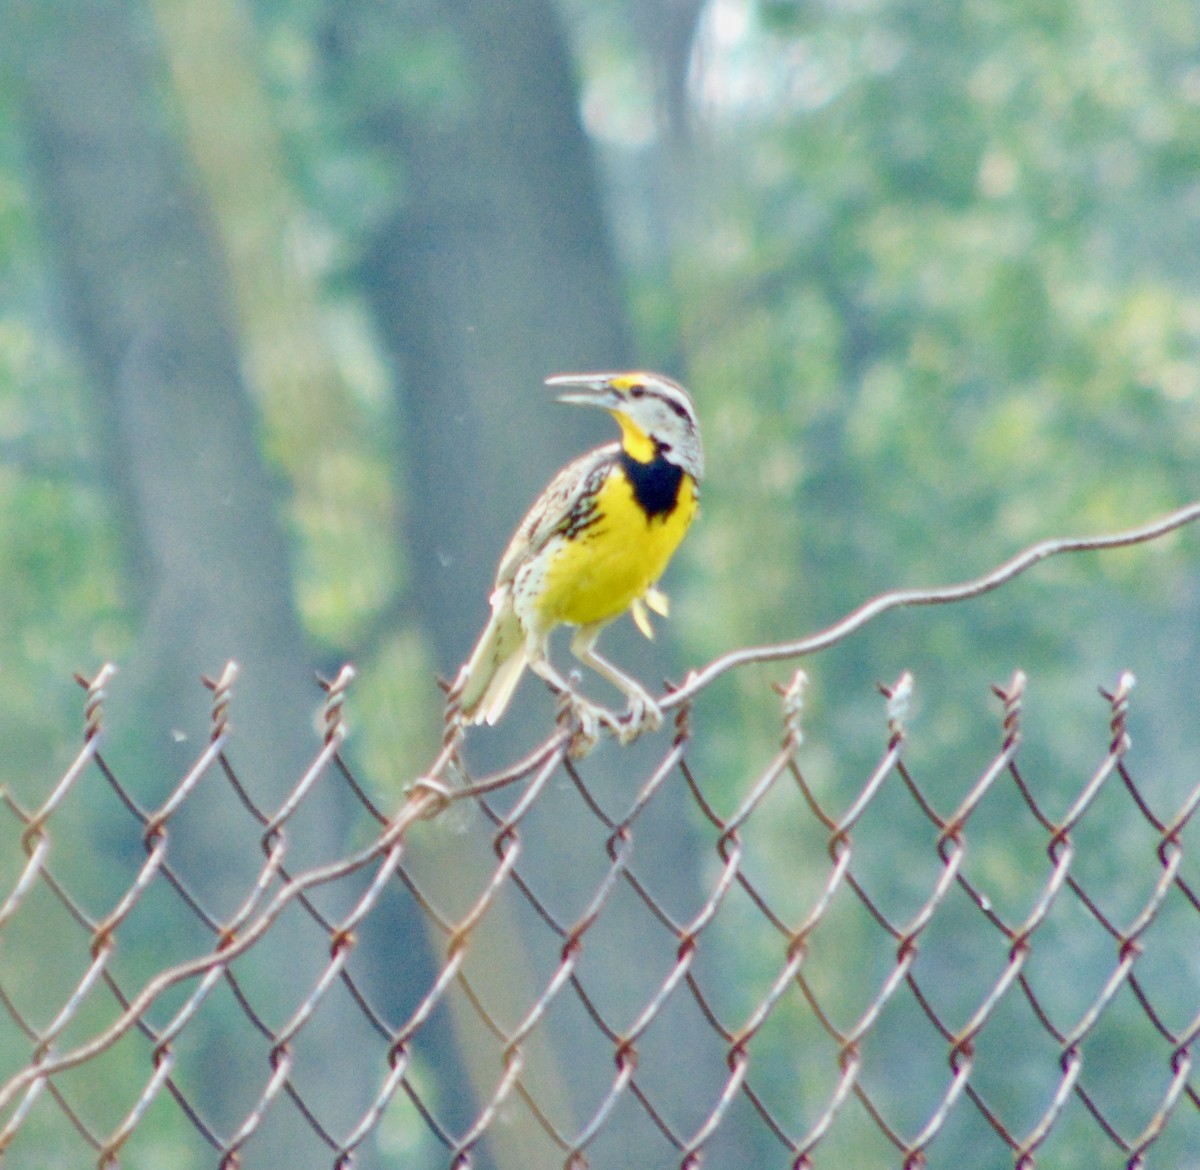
(595, 576)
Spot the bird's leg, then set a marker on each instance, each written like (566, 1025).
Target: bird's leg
(591, 715)
(644, 713)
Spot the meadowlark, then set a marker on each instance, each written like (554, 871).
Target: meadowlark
(593, 546)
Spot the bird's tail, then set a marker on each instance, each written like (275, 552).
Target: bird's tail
(486, 682)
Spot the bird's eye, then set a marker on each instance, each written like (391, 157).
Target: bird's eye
(637, 390)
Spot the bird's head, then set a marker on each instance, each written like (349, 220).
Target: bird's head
(655, 414)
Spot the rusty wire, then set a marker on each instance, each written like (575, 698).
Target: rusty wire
(856, 995)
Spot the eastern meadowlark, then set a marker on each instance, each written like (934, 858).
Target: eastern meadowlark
(593, 545)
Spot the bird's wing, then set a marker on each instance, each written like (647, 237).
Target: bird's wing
(567, 504)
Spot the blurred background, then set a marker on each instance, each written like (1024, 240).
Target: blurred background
(280, 281)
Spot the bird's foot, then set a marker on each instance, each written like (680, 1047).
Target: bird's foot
(642, 715)
(588, 719)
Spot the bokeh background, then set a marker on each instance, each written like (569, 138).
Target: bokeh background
(280, 281)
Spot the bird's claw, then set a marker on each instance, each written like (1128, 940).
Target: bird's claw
(590, 719)
(643, 715)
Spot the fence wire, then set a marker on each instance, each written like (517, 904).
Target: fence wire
(976, 1000)
(622, 958)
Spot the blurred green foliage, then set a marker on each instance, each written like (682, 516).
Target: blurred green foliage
(60, 564)
(930, 270)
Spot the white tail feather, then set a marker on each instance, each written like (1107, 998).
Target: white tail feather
(500, 689)
(486, 683)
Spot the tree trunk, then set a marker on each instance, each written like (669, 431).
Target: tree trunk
(494, 273)
(143, 285)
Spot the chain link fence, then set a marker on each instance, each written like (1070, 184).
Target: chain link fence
(611, 959)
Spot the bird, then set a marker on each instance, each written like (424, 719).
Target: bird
(592, 547)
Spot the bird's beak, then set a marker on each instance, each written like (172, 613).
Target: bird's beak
(588, 389)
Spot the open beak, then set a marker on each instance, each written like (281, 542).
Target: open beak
(588, 389)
